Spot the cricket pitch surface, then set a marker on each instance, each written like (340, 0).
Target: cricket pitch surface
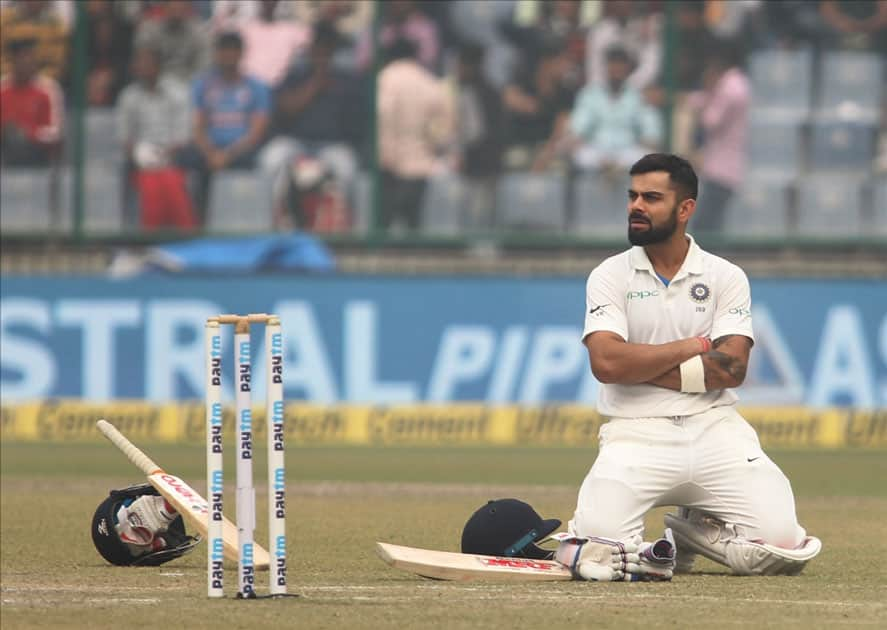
(342, 500)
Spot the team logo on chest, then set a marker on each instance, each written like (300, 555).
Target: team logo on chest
(700, 293)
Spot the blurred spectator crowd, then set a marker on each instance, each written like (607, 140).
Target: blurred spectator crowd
(461, 115)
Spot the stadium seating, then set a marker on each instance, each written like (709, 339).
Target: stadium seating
(879, 206)
(240, 201)
(361, 202)
(850, 86)
(760, 210)
(531, 200)
(25, 200)
(102, 144)
(829, 206)
(842, 146)
(443, 205)
(102, 213)
(774, 149)
(781, 83)
(600, 206)
(812, 131)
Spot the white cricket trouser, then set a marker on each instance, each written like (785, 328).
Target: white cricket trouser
(711, 461)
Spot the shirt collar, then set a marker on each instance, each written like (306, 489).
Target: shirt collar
(692, 262)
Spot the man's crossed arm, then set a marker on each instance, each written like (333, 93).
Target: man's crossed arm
(725, 365)
(613, 360)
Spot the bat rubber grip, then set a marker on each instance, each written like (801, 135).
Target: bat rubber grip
(136, 456)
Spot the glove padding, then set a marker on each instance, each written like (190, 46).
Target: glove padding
(607, 560)
(657, 559)
(142, 520)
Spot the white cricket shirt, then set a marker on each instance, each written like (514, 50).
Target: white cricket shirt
(708, 297)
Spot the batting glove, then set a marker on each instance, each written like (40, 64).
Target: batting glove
(657, 561)
(140, 521)
(598, 559)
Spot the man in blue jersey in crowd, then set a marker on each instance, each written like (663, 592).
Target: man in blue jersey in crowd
(231, 113)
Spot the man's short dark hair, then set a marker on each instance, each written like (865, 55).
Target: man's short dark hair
(20, 44)
(228, 40)
(326, 36)
(727, 53)
(618, 53)
(401, 48)
(683, 177)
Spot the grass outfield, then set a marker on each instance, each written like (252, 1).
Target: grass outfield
(341, 500)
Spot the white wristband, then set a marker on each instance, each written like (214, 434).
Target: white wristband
(693, 376)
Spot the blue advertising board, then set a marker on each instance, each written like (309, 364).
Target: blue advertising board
(379, 339)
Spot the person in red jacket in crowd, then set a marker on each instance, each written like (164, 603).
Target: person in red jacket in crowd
(31, 109)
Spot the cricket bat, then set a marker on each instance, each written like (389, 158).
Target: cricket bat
(466, 567)
(185, 499)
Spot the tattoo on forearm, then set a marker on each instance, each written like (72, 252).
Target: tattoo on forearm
(721, 340)
(730, 365)
(727, 364)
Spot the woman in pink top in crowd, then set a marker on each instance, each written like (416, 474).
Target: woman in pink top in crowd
(722, 108)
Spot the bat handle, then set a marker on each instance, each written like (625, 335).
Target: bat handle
(136, 456)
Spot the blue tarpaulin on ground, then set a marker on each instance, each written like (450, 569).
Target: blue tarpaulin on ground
(279, 252)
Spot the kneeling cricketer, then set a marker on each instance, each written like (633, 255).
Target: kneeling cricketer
(506, 539)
